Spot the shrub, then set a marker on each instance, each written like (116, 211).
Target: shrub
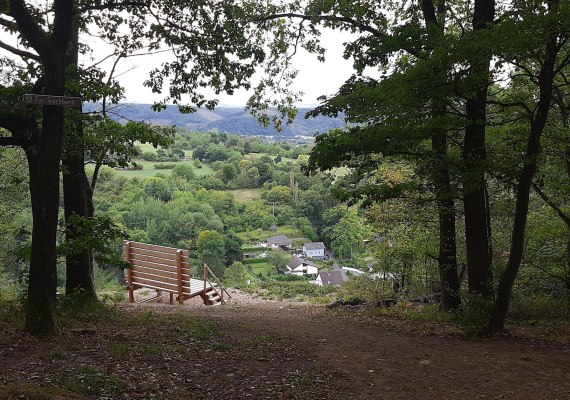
(164, 166)
(254, 260)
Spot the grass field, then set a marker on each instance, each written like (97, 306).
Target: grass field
(147, 147)
(246, 195)
(148, 170)
(263, 267)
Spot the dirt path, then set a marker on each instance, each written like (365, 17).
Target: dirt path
(374, 361)
(273, 350)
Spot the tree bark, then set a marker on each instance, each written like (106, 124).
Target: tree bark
(44, 156)
(77, 195)
(538, 123)
(474, 153)
(447, 259)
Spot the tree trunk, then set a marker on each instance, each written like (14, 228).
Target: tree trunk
(447, 259)
(43, 163)
(44, 155)
(77, 195)
(474, 153)
(538, 123)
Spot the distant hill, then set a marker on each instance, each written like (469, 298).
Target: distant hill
(223, 119)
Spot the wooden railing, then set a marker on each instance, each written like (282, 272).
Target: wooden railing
(207, 272)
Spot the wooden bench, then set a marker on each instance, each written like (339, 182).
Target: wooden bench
(166, 269)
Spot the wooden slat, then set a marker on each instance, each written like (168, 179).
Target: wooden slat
(158, 278)
(159, 249)
(149, 286)
(162, 267)
(142, 275)
(166, 274)
(192, 288)
(154, 254)
(153, 284)
(139, 260)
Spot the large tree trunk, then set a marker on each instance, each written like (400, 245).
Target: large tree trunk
(78, 204)
(77, 196)
(538, 123)
(447, 259)
(477, 228)
(43, 163)
(44, 156)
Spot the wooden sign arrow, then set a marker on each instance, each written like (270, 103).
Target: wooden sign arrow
(44, 100)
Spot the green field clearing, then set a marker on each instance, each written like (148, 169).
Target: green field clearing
(148, 170)
(259, 235)
(147, 147)
(263, 267)
(246, 195)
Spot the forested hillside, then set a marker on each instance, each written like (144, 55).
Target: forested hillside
(222, 119)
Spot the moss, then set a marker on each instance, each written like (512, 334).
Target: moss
(31, 392)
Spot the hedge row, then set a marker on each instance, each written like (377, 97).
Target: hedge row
(253, 260)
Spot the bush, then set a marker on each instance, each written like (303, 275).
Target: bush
(149, 156)
(254, 260)
(367, 289)
(164, 166)
(538, 308)
(474, 314)
(299, 291)
(289, 278)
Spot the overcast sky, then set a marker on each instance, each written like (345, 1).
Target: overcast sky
(314, 78)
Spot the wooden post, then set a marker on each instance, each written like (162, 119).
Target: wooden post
(171, 298)
(129, 272)
(179, 271)
(205, 276)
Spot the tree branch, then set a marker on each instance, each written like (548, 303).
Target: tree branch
(112, 5)
(333, 18)
(28, 27)
(19, 52)
(551, 204)
(12, 141)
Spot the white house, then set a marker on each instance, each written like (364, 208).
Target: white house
(298, 266)
(314, 250)
(334, 276)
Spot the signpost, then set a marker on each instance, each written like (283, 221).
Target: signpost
(52, 100)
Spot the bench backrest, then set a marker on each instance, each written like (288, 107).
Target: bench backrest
(157, 267)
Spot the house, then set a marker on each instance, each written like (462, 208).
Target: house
(298, 266)
(334, 276)
(314, 250)
(279, 241)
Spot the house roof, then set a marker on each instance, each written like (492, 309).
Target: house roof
(334, 276)
(296, 261)
(314, 245)
(280, 240)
